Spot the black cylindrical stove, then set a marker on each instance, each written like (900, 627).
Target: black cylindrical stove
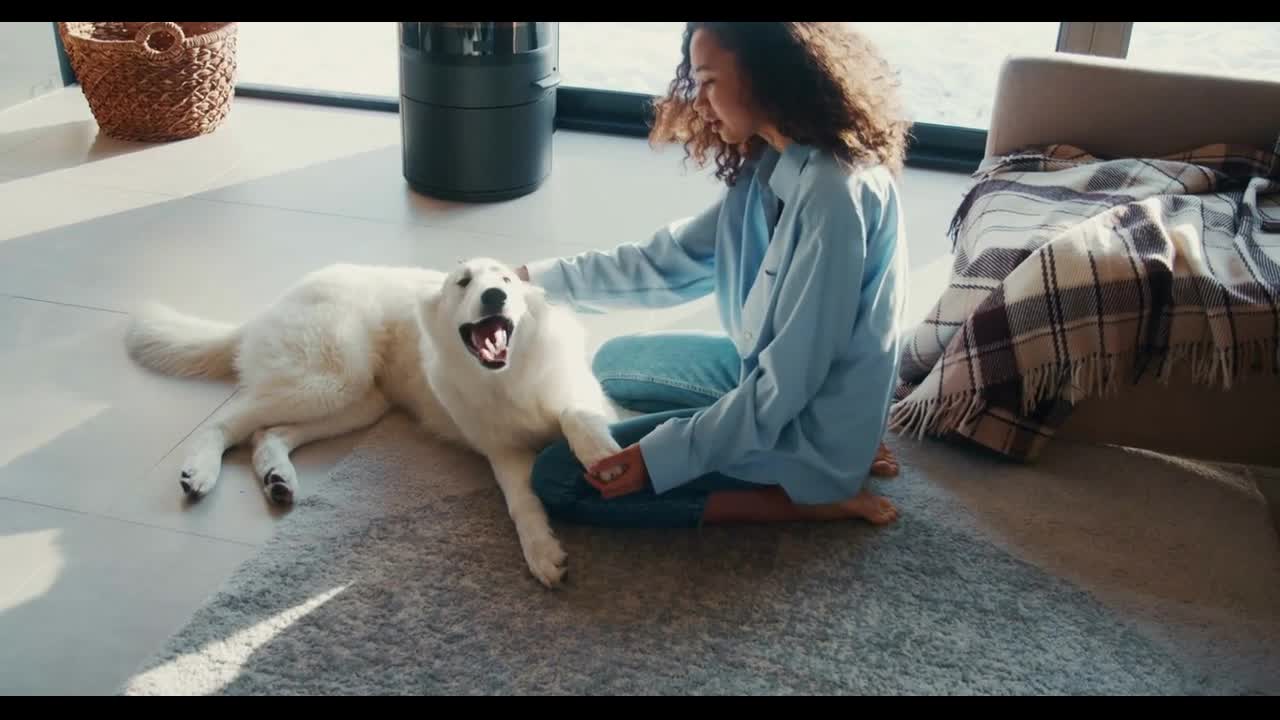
(477, 107)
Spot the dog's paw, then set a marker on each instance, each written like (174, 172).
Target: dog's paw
(280, 484)
(199, 474)
(590, 439)
(272, 464)
(612, 473)
(547, 560)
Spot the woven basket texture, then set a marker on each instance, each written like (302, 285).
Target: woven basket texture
(154, 81)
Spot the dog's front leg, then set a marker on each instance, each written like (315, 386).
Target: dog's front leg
(588, 435)
(542, 551)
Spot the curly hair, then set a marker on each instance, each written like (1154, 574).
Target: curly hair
(822, 84)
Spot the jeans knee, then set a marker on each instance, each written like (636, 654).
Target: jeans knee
(614, 355)
(617, 366)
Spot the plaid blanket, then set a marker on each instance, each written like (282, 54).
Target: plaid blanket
(1075, 275)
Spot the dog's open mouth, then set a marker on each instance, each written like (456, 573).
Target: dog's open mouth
(488, 339)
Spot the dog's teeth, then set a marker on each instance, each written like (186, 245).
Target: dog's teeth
(502, 339)
(488, 343)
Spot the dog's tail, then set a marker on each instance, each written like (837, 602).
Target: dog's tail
(170, 342)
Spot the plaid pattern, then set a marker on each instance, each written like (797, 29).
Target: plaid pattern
(1075, 275)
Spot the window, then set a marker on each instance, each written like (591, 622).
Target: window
(362, 57)
(1229, 48)
(638, 57)
(341, 57)
(949, 70)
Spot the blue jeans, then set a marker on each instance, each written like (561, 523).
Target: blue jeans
(664, 375)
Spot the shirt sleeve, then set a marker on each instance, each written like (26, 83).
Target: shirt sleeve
(815, 317)
(676, 265)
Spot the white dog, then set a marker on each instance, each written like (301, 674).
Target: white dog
(479, 357)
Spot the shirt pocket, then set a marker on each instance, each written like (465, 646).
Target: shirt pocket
(756, 310)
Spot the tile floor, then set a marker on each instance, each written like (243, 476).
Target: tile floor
(101, 558)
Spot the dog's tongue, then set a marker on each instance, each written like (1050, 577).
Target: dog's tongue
(490, 339)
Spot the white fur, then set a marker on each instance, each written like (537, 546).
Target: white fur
(347, 343)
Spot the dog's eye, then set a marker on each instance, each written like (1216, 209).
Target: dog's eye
(464, 282)
(506, 279)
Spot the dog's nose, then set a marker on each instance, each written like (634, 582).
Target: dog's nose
(493, 297)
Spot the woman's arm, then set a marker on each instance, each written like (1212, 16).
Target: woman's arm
(674, 266)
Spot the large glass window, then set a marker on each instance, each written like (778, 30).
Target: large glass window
(1229, 48)
(638, 57)
(948, 70)
(346, 57)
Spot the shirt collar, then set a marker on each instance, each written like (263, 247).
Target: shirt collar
(784, 172)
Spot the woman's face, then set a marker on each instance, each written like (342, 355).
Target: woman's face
(723, 99)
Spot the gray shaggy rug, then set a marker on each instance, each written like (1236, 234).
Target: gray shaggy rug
(1097, 571)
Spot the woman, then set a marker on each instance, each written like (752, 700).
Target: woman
(782, 419)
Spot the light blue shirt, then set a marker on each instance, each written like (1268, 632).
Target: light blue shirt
(813, 305)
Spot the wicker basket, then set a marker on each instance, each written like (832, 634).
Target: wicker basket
(154, 81)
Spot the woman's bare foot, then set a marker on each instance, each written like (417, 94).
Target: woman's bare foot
(885, 464)
(872, 508)
(771, 504)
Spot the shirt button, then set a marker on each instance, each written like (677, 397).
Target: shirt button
(748, 334)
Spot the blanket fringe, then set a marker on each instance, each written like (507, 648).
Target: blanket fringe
(936, 415)
(1088, 377)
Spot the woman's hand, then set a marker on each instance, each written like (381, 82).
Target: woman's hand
(633, 476)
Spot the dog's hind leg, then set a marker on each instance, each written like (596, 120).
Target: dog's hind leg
(542, 551)
(228, 427)
(272, 446)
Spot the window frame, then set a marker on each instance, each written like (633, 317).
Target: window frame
(933, 146)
